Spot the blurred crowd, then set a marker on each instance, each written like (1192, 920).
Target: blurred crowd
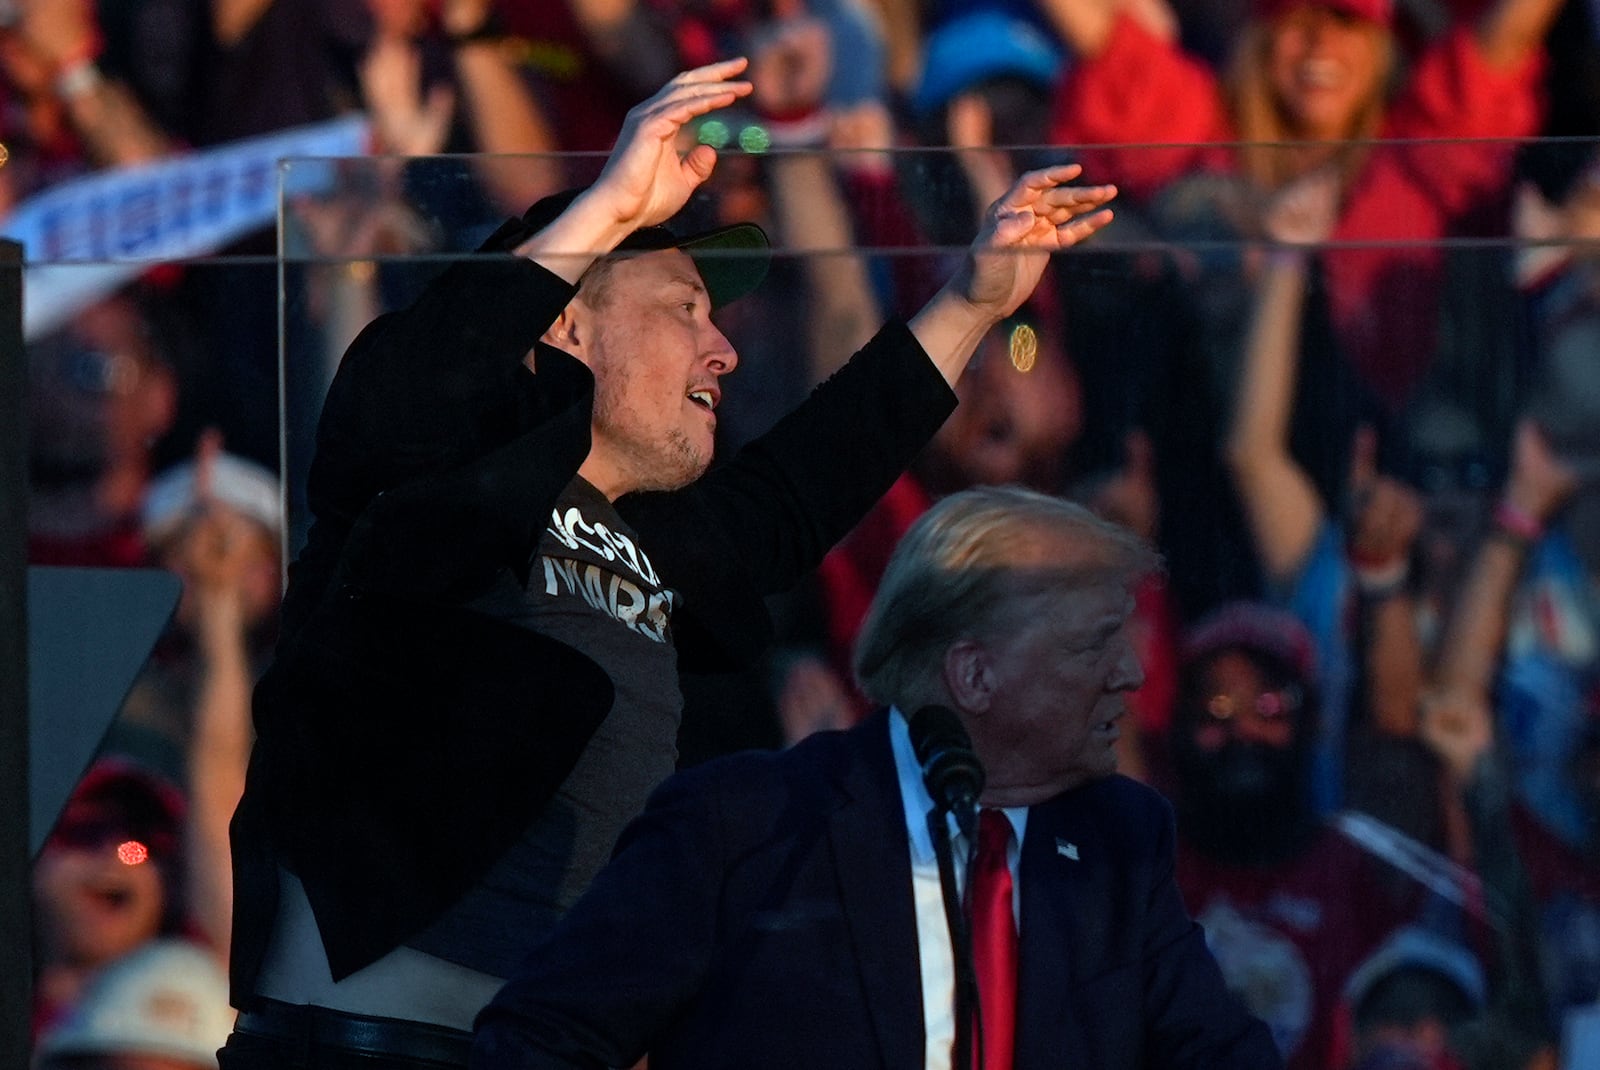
(1338, 358)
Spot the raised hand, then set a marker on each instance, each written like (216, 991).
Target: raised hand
(646, 181)
(862, 135)
(1038, 216)
(461, 17)
(60, 31)
(1456, 726)
(1541, 480)
(407, 123)
(399, 18)
(1304, 211)
(1386, 514)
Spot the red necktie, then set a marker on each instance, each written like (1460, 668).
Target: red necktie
(994, 941)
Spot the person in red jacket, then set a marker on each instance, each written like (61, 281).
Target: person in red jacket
(1313, 75)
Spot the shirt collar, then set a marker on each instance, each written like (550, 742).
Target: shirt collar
(914, 795)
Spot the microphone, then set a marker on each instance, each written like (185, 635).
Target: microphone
(950, 769)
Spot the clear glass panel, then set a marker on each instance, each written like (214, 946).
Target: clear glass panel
(1432, 292)
(1431, 298)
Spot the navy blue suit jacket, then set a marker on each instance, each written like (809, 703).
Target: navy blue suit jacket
(759, 914)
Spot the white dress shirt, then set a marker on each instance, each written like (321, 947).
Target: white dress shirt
(933, 931)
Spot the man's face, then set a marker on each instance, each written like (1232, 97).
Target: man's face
(1243, 705)
(657, 360)
(98, 395)
(94, 897)
(1060, 677)
(1011, 426)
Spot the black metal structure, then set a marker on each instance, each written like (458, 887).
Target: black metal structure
(16, 965)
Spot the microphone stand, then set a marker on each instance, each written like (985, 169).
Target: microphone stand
(966, 977)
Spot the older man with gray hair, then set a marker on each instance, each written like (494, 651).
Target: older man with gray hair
(784, 910)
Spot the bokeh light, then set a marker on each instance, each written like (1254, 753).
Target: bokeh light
(714, 132)
(754, 138)
(1024, 347)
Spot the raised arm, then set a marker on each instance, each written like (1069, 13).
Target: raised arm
(645, 181)
(63, 36)
(632, 38)
(1456, 717)
(405, 121)
(501, 110)
(222, 556)
(1038, 216)
(1388, 516)
(1279, 499)
(811, 210)
(1540, 484)
(232, 19)
(790, 73)
(1085, 25)
(1511, 30)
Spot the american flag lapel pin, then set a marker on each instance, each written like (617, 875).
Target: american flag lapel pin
(1066, 849)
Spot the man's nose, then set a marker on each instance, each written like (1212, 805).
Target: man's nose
(1129, 674)
(721, 357)
(1251, 729)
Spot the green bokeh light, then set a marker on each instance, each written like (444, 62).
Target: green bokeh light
(714, 132)
(755, 138)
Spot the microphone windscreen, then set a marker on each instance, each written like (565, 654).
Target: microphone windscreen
(935, 729)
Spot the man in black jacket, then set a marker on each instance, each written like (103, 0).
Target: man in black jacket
(515, 546)
(783, 910)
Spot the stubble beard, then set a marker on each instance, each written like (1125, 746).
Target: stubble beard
(668, 465)
(669, 461)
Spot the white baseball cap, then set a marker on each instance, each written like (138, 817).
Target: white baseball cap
(167, 998)
(235, 482)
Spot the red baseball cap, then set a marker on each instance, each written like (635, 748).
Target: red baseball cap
(117, 798)
(1381, 11)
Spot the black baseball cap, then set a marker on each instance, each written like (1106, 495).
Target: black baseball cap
(732, 260)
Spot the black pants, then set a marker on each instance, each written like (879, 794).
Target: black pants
(284, 1036)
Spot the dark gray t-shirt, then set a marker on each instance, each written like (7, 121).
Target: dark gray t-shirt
(592, 587)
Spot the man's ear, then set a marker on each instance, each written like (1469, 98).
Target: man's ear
(968, 675)
(570, 331)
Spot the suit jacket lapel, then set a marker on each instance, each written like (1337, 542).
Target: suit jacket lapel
(870, 846)
(1049, 1034)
